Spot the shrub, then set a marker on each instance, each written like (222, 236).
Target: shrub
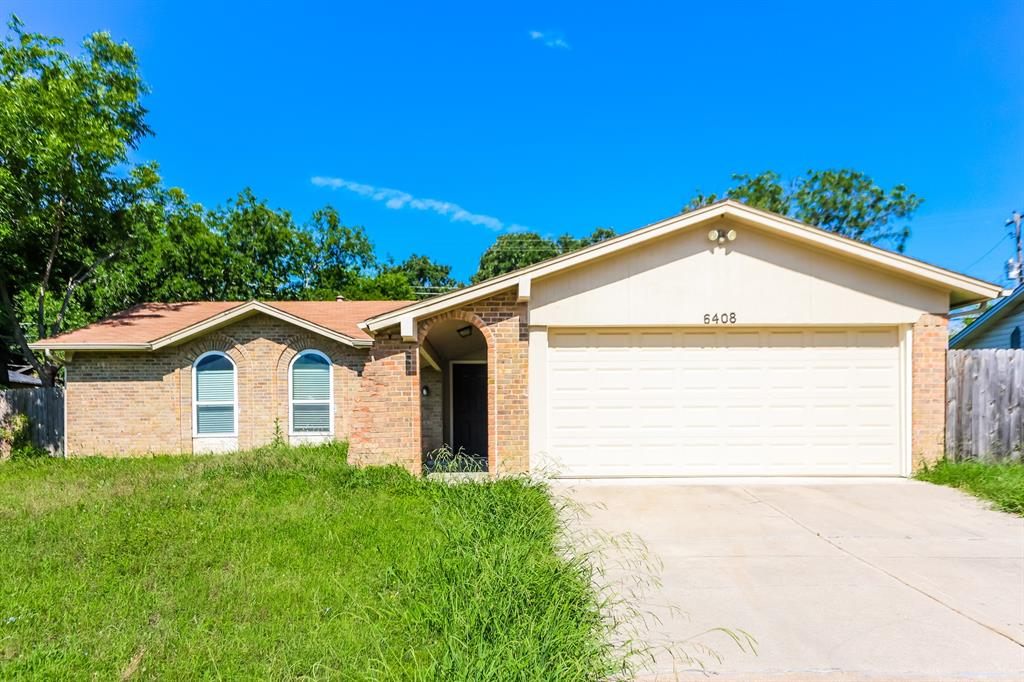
(16, 438)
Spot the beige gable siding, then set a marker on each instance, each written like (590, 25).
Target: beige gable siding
(997, 335)
(762, 278)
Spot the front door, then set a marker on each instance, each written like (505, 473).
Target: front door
(469, 409)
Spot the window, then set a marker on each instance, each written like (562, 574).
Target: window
(214, 386)
(311, 394)
(1015, 338)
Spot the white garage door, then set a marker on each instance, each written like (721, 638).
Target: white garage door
(650, 402)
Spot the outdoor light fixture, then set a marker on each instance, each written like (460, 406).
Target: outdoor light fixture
(722, 236)
(425, 391)
(465, 331)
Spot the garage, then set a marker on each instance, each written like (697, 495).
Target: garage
(724, 402)
(721, 342)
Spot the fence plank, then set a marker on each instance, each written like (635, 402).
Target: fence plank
(985, 403)
(44, 408)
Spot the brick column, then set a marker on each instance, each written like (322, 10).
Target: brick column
(386, 416)
(928, 419)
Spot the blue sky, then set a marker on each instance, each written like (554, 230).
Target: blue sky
(560, 117)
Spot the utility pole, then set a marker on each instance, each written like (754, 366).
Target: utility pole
(1018, 265)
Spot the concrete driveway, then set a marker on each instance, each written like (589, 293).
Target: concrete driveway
(837, 581)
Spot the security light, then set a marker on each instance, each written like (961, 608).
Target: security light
(721, 236)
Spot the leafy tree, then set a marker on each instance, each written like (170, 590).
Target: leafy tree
(70, 199)
(512, 251)
(382, 286)
(567, 243)
(519, 249)
(333, 259)
(424, 274)
(260, 244)
(843, 201)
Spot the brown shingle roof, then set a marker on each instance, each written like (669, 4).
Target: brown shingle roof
(149, 322)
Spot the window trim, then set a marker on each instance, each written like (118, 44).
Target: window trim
(330, 396)
(197, 403)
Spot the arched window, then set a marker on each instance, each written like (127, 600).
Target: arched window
(1015, 338)
(214, 392)
(311, 394)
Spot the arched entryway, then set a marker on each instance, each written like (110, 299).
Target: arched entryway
(454, 391)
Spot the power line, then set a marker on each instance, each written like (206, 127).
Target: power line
(989, 252)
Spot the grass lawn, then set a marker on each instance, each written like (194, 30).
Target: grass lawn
(1001, 483)
(286, 563)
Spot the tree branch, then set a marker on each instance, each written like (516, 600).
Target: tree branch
(45, 283)
(72, 285)
(19, 334)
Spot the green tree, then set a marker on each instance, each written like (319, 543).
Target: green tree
(424, 275)
(332, 258)
(381, 286)
(260, 245)
(567, 243)
(70, 199)
(512, 251)
(843, 201)
(519, 249)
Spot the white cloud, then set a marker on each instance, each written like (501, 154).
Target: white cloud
(553, 39)
(397, 199)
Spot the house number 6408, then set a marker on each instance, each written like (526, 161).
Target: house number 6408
(719, 318)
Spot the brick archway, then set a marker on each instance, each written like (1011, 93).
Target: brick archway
(492, 383)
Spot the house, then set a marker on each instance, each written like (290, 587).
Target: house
(722, 341)
(998, 327)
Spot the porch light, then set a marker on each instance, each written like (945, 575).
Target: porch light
(464, 332)
(425, 391)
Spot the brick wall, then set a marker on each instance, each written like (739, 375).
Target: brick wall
(502, 322)
(137, 403)
(386, 418)
(928, 423)
(431, 408)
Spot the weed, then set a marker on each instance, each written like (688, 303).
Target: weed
(1002, 483)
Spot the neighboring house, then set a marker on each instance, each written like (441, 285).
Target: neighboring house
(998, 327)
(723, 341)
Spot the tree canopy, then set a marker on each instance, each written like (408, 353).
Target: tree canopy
(519, 249)
(843, 201)
(70, 199)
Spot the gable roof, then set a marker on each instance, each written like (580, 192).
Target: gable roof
(988, 318)
(150, 326)
(962, 289)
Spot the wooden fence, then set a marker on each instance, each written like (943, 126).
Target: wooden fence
(985, 403)
(45, 410)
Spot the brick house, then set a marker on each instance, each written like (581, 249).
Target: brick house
(722, 341)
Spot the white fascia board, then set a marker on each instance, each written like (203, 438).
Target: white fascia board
(90, 346)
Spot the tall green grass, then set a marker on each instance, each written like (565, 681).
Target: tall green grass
(288, 563)
(1003, 484)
